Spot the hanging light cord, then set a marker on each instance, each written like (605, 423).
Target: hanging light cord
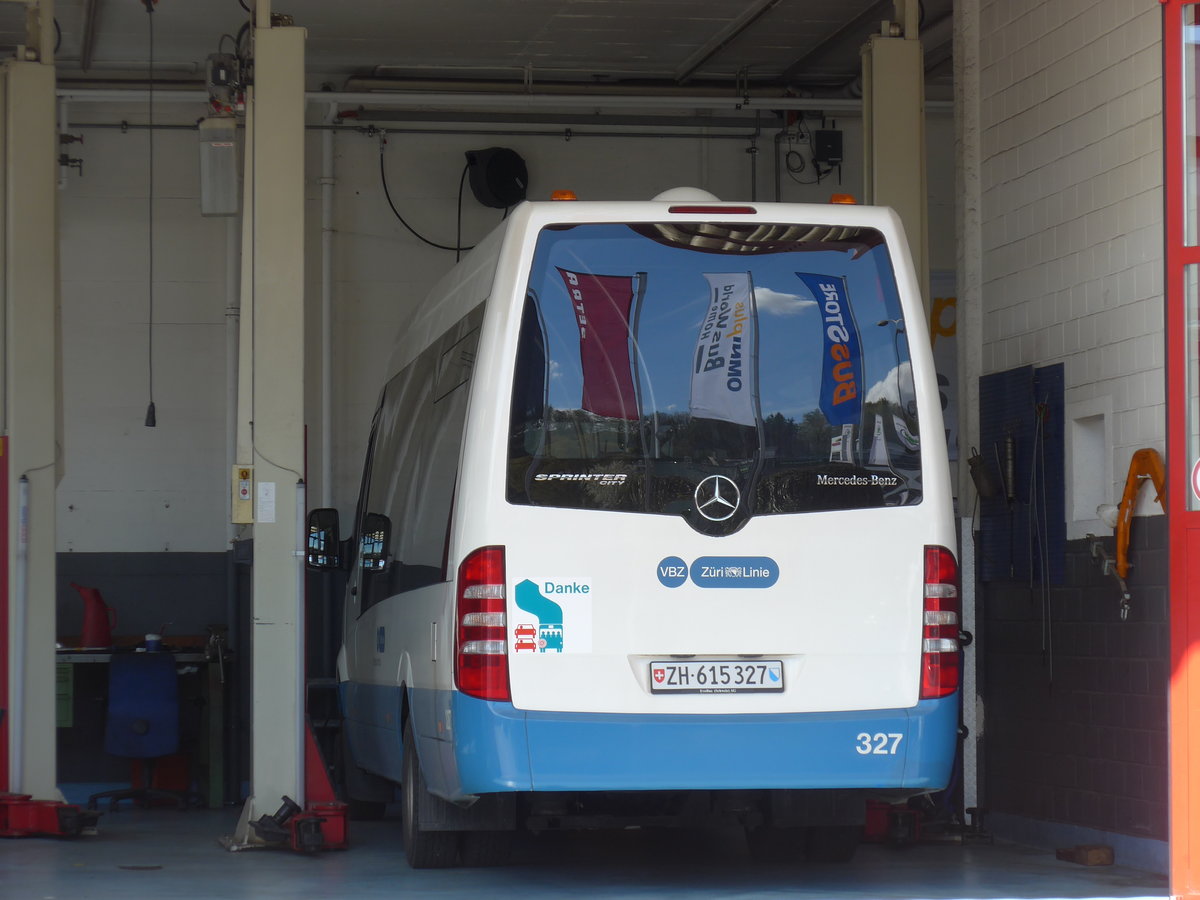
(150, 416)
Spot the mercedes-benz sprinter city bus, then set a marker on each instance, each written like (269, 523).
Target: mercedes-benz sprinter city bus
(654, 526)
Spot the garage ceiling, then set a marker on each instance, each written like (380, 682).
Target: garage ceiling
(798, 45)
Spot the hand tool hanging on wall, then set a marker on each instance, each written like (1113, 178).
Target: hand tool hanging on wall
(1145, 464)
(1008, 469)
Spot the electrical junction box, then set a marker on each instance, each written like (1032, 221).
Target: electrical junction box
(242, 505)
(222, 79)
(827, 147)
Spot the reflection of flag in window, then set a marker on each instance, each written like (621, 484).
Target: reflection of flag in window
(725, 367)
(879, 451)
(841, 361)
(602, 312)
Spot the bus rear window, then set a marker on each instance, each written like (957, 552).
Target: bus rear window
(653, 356)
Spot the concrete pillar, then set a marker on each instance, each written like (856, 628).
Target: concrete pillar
(969, 340)
(894, 132)
(273, 332)
(968, 217)
(31, 414)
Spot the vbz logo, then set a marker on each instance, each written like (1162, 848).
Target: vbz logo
(672, 572)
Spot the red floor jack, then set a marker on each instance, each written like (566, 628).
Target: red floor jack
(322, 826)
(22, 816)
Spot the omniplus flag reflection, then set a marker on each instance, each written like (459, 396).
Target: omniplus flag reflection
(602, 311)
(725, 365)
(841, 361)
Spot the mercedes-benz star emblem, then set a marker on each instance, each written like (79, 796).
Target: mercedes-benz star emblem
(717, 498)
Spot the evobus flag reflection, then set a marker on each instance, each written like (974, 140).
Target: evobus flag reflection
(603, 304)
(841, 364)
(725, 367)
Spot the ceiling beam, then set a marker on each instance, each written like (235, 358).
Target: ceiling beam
(939, 61)
(723, 38)
(937, 37)
(91, 13)
(856, 26)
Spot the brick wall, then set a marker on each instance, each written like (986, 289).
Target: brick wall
(1071, 172)
(1076, 702)
(1068, 156)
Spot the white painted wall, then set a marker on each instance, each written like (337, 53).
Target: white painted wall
(127, 487)
(131, 488)
(1072, 217)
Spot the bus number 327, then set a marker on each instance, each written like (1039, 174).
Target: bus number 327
(877, 744)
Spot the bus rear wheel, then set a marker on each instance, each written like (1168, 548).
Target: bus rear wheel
(832, 843)
(486, 848)
(423, 849)
(773, 844)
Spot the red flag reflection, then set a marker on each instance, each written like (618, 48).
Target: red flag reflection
(602, 307)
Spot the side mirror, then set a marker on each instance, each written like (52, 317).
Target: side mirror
(373, 546)
(323, 540)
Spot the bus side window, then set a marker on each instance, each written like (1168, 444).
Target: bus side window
(403, 543)
(529, 384)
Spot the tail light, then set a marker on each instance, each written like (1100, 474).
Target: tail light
(939, 636)
(481, 641)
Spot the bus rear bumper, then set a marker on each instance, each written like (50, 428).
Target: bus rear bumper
(498, 748)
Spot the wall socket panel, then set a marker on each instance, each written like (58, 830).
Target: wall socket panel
(242, 501)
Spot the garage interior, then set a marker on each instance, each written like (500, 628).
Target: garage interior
(158, 337)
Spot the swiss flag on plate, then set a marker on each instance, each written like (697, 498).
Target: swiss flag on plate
(659, 675)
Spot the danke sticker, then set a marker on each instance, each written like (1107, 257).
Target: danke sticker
(555, 616)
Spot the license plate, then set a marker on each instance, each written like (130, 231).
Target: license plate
(716, 676)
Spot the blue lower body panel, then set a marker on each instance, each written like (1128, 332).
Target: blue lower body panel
(485, 747)
(498, 748)
(371, 721)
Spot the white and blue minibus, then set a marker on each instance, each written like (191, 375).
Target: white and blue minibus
(655, 525)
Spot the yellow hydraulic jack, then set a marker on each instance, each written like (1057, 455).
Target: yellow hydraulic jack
(1146, 464)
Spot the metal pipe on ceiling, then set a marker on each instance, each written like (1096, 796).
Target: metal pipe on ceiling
(909, 14)
(635, 120)
(566, 134)
(442, 100)
(359, 84)
(327, 184)
(419, 100)
(422, 100)
(130, 95)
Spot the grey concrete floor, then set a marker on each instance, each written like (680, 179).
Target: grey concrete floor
(170, 854)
